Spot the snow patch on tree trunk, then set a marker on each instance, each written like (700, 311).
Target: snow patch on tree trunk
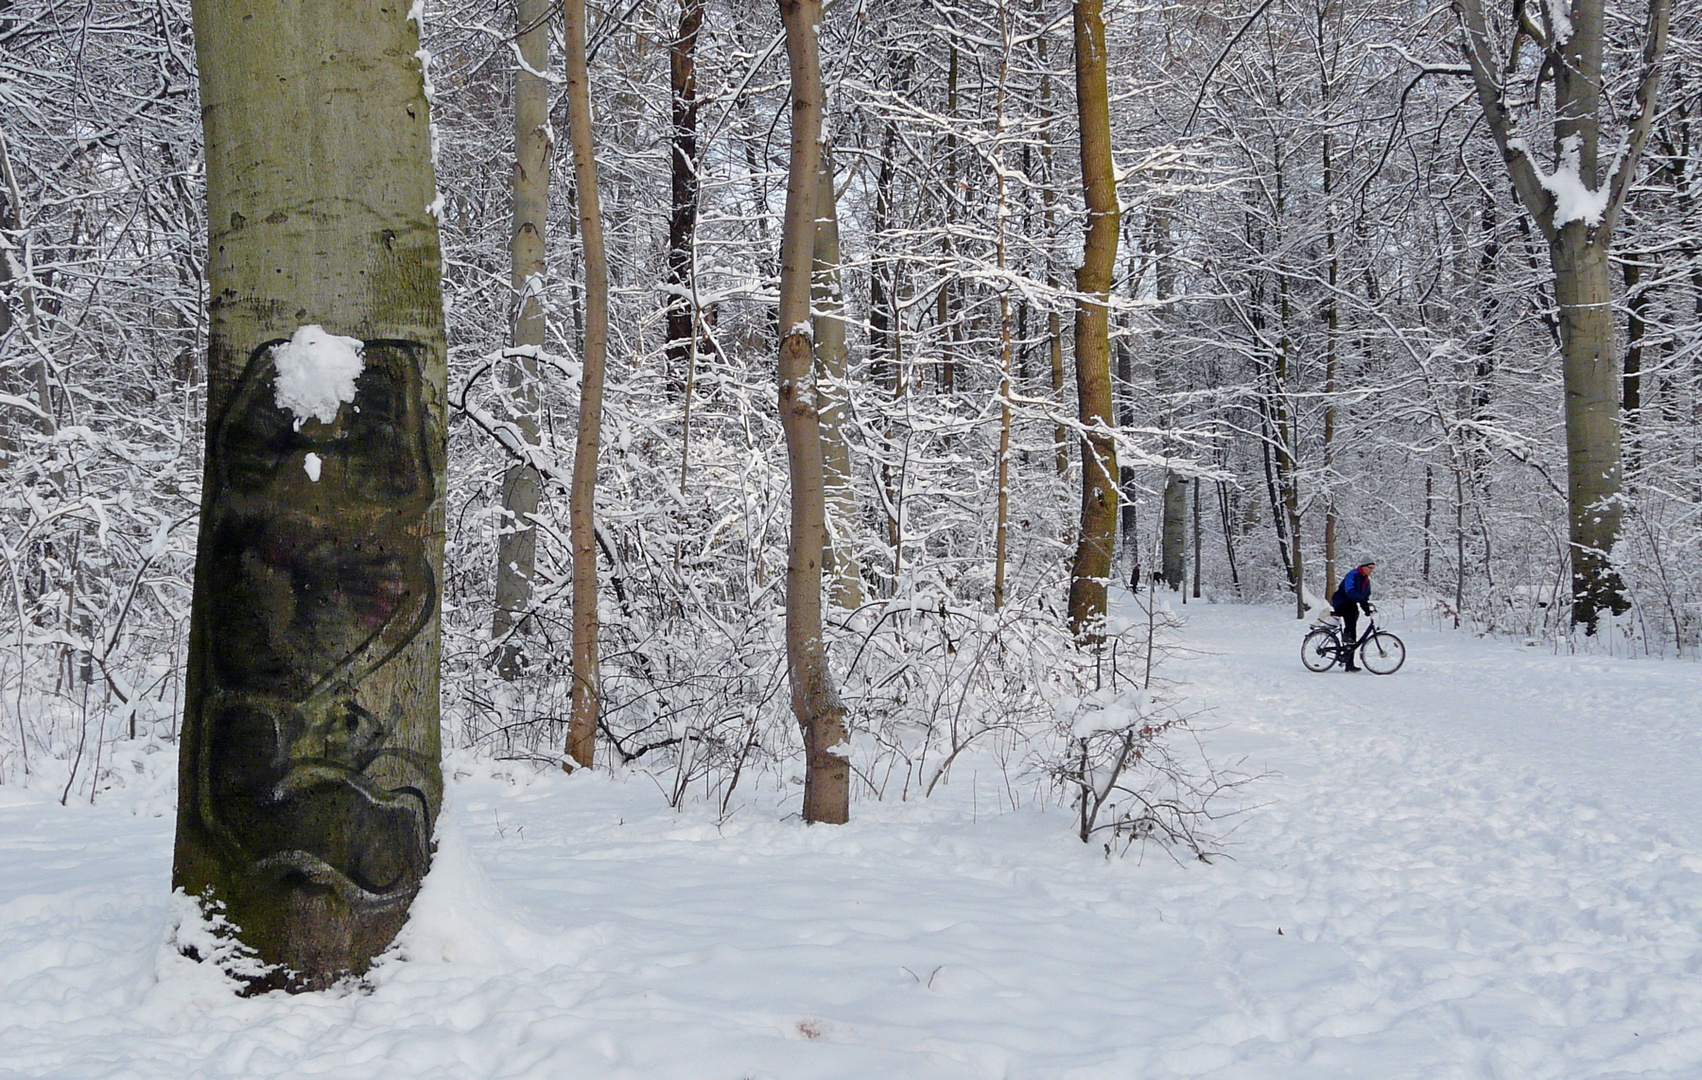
(316, 374)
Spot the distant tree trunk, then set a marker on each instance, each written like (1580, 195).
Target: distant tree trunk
(1332, 327)
(1175, 536)
(1429, 509)
(828, 323)
(1173, 509)
(11, 215)
(682, 215)
(1048, 200)
(945, 313)
(1196, 538)
(1578, 234)
(815, 703)
(582, 497)
(1637, 299)
(1224, 511)
(886, 360)
(516, 557)
(1288, 448)
(1128, 481)
(1002, 468)
(1092, 567)
(309, 776)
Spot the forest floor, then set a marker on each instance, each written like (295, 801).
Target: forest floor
(1486, 865)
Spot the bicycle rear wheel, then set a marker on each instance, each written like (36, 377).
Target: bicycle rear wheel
(1383, 653)
(1318, 651)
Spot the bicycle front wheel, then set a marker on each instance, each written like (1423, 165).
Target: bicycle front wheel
(1383, 653)
(1318, 651)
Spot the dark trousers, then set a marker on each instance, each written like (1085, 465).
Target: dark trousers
(1350, 623)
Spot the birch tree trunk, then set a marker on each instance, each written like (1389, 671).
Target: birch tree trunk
(309, 776)
(815, 702)
(516, 553)
(582, 498)
(1094, 546)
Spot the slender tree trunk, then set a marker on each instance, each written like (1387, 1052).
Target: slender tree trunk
(682, 215)
(516, 558)
(1332, 327)
(1048, 200)
(1172, 526)
(945, 315)
(828, 323)
(1631, 399)
(26, 290)
(886, 362)
(582, 496)
(1288, 443)
(1001, 525)
(309, 776)
(1092, 567)
(1196, 538)
(815, 702)
(1127, 478)
(1429, 510)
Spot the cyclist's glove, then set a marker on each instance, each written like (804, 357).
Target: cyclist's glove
(1369, 610)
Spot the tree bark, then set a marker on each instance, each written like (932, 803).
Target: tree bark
(309, 777)
(1172, 527)
(1175, 535)
(815, 702)
(1578, 252)
(832, 359)
(1048, 199)
(1092, 567)
(516, 558)
(1584, 295)
(682, 216)
(582, 497)
(1002, 469)
(1196, 538)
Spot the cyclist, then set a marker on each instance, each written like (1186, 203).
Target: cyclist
(1350, 596)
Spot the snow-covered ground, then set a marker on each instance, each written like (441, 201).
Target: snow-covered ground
(1487, 865)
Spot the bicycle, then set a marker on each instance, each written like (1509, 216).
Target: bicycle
(1380, 652)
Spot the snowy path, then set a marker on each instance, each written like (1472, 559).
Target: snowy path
(1488, 865)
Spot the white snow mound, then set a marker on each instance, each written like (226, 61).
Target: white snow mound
(316, 373)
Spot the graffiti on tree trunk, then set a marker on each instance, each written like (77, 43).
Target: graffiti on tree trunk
(317, 578)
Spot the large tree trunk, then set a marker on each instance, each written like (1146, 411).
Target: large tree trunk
(309, 777)
(828, 325)
(516, 551)
(1092, 567)
(815, 703)
(1573, 48)
(1583, 293)
(582, 497)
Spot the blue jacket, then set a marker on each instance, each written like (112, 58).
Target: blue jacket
(1354, 589)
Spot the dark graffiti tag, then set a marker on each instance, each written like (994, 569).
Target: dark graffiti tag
(317, 577)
